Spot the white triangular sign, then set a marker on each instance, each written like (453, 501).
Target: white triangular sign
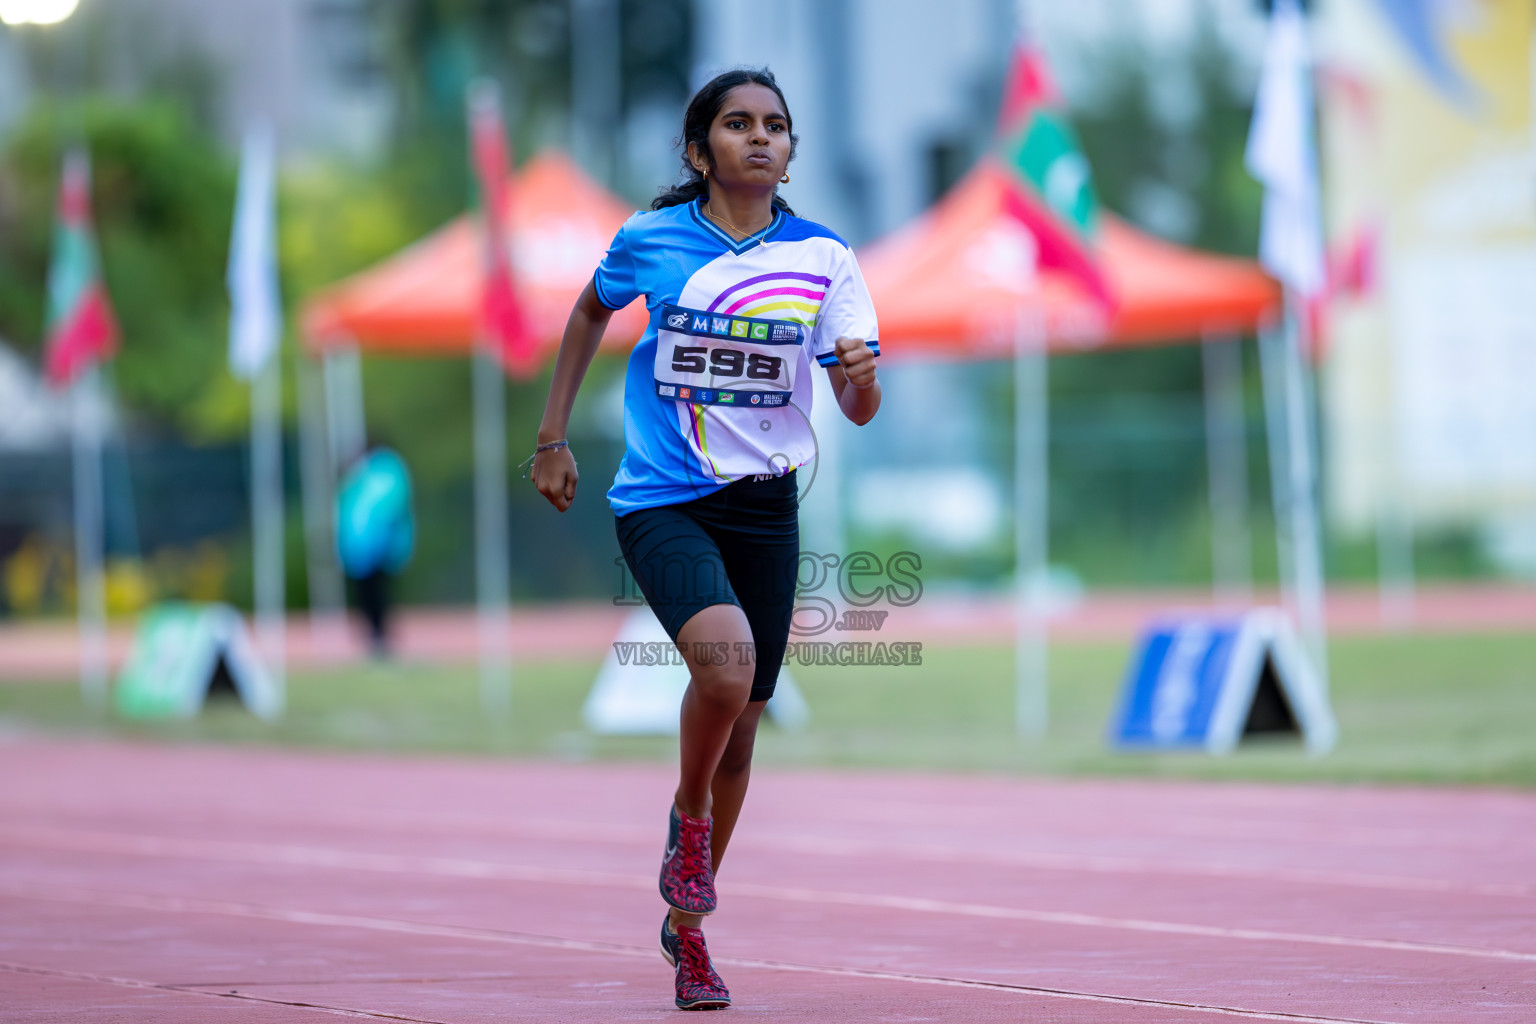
(639, 689)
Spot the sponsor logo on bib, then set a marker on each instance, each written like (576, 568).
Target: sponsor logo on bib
(785, 332)
(720, 325)
(756, 399)
(700, 322)
(684, 393)
(677, 319)
(669, 390)
(726, 398)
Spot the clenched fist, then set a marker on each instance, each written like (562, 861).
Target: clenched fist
(554, 474)
(857, 361)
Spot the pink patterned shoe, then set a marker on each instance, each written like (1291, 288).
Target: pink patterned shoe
(687, 879)
(698, 986)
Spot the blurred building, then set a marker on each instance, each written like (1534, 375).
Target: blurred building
(892, 100)
(1429, 161)
(307, 66)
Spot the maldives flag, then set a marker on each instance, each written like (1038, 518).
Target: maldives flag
(501, 315)
(81, 327)
(1053, 193)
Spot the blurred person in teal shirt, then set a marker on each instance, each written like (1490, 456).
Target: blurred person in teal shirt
(375, 534)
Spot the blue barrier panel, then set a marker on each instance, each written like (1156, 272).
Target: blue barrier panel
(1205, 681)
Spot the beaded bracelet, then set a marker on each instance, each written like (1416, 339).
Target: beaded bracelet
(562, 443)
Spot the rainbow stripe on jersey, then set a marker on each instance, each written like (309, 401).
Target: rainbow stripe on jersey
(794, 280)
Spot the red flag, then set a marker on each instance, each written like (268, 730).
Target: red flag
(81, 327)
(1053, 187)
(1352, 271)
(501, 314)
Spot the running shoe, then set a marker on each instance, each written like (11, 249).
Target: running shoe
(687, 880)
(698, 986)
(669, 940)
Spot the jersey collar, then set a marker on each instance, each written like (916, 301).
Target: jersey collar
(696, 209)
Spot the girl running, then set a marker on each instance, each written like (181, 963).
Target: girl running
(742, 296)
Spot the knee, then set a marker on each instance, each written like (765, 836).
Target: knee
(723, 684)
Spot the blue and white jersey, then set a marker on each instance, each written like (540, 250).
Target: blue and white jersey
(719, 387)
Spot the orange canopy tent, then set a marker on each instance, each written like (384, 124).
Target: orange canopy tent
(950, 283)
(953, 283)
(426, 299)
(957, 283)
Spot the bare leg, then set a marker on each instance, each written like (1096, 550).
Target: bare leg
(729, 790)
(716, 696)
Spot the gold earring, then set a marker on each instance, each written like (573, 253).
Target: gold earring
(784, 180)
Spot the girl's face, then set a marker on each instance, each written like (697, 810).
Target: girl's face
(749, 138)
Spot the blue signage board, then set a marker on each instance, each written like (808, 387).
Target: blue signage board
(1176, 683)
(1204, 681)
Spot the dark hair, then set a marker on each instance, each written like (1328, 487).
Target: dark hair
(702, 109)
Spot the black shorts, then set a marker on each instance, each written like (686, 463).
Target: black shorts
(737, 545)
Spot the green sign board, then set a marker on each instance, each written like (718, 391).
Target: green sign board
(178, 653)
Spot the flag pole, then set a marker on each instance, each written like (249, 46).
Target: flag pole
(255, 354)
(1281, 154)
(90, 586)
(492, 555)
(1306, 533)
(1031, 520)
(1394, 522)
(492, 546)
(81, 332)
(267, 516)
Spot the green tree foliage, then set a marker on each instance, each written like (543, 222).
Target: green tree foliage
(163, 201)
(430, 50)
(1165, 134)
(1164, 131)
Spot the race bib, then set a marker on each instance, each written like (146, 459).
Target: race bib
(714, 359)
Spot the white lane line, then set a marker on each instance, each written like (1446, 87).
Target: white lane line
(558, 830)
(108, 979)
(177, 904)
(454, 867)
(1122, 923)
(1096, 864)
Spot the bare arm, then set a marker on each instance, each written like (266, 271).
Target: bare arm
(554, 471)
(854, 382)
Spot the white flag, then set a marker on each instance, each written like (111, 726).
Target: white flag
(1282, 155)
(256, 311)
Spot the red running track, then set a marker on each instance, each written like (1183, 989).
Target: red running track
(169, 884)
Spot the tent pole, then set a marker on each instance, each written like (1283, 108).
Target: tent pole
(1226, 453)
(90, 586)
(327, 604)
(267, 515)
(492, 558)
(1306, 532)
(1031, 526)
(345, 422)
